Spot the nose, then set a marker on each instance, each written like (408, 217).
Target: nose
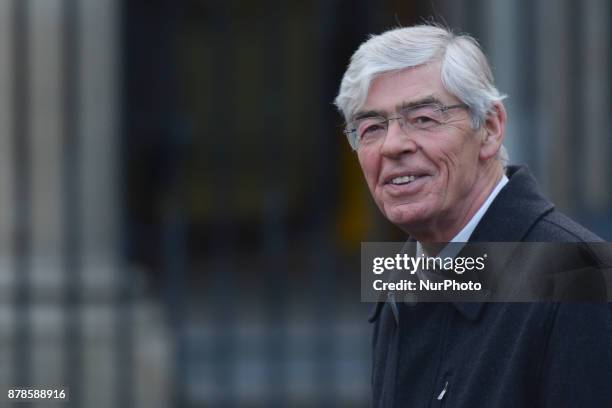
(398, 140)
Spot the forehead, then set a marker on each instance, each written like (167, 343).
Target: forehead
(411, 84)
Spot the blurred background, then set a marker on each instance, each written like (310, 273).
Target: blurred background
(180, 214)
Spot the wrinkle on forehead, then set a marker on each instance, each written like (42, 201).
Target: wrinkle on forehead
(409, 86)
(427, 100)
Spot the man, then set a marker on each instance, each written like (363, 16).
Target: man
(427, 123)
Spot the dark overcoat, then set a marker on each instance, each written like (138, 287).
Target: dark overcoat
(470, 355)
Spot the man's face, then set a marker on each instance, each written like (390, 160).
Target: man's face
(445, 161)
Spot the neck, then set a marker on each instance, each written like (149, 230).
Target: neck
(448, 227)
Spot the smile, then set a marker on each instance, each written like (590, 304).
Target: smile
(400, 185)
(404, 179)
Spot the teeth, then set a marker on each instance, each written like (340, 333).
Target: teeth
(403, 179)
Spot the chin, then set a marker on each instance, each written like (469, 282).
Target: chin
(406, 216)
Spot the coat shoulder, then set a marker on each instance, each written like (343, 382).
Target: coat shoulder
(558, 227)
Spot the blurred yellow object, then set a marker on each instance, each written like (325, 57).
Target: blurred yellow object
(354, 218)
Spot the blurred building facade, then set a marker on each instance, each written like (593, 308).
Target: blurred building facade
(68, 314)
(180, 215)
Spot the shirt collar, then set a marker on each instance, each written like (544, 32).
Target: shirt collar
(466, 232)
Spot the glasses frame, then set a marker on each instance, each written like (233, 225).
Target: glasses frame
(353, 138)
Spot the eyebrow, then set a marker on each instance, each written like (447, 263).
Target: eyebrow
(428, 100)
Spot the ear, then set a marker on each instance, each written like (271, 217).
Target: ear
(494, 129)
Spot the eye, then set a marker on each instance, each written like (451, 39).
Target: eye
(372, 129)
(426, 117)
(422, 120)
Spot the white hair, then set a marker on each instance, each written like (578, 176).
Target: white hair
(465, 70)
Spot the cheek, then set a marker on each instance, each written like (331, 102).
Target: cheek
(446, 158)
(446, 155)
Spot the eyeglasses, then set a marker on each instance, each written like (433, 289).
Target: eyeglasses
(370, 130)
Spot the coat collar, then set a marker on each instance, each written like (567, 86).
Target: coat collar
(519, 205)
(516, 209)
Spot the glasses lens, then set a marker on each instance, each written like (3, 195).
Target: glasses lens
(371, 129)
(424, 117)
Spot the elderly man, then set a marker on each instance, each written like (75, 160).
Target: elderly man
(427, 124)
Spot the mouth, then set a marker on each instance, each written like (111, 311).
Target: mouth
(400, 185)
(401, 180)
(398, 181)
